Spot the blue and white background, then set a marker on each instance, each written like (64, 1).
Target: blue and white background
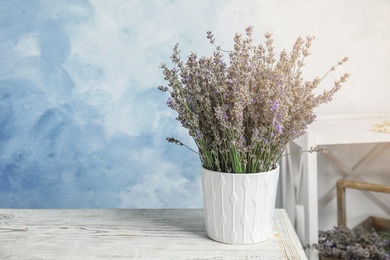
(82, 123)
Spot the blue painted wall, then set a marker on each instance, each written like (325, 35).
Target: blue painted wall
(82, 123)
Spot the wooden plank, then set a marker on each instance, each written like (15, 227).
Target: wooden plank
(130, 234)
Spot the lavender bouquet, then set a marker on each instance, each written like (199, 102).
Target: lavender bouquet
(241, 114)
(359, 243)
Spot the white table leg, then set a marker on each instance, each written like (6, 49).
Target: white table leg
(310, 191)
(310, 198)
(300, 190)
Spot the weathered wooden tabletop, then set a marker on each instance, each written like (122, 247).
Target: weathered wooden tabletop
(130, 234)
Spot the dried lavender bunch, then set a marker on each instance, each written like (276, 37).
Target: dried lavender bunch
(242, 114)
(344, 243)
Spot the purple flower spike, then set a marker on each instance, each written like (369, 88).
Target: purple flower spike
(275, 106)
(170, 102)
(278, 127)
(199, 134)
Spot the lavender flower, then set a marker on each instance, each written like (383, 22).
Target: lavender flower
(170, 102)
(275, 106)
(278, 127)
(242, 113)
(359, 243)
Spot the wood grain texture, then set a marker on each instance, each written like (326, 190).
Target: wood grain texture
(341, 195)
(130, 234)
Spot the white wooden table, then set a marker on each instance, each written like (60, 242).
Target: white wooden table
(130, 234)
(299, 173)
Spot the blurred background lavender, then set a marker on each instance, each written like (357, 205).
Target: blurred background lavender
(82, 123)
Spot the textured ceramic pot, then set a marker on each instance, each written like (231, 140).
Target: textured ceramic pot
(239, 208)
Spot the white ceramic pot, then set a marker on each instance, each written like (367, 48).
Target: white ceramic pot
(239, 208)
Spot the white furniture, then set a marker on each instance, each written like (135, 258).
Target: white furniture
(299, 172)
(130, 234)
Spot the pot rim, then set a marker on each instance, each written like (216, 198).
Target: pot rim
(244, 174)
